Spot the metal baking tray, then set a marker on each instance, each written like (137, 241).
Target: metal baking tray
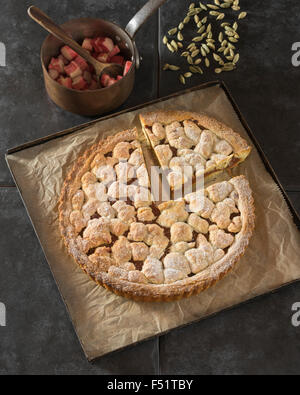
(220, 84)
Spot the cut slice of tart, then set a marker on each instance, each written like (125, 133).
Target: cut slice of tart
(184, 140)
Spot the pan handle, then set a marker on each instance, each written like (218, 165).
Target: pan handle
(141, 17)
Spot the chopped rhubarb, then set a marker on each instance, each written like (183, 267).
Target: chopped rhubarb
(79, 83)
(54, 74)
(127, 67)
(97, 44)
(73, 70)
(81, 63)
(101, 44)
(108, 45)
(115, 51)
(87, 76)
(105, 79)
(87, 44)
(67, 82)
(103, 57)
(117, 59)
(68, 53)
(57, 64)
(65, 60)
(111, 81)
(93, 85)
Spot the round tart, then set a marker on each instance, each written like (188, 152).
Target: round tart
(142, 251)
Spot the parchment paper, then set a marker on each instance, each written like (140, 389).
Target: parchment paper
(105, 322)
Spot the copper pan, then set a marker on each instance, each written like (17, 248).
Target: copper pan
(100, 101)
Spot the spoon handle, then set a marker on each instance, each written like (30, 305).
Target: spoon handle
(42, 19)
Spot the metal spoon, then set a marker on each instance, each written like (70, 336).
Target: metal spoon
(42, 19)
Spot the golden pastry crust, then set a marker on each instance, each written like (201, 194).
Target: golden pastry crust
(220, 129)
(205, 279)
(72, 185)
(108, 260)
(240, 147)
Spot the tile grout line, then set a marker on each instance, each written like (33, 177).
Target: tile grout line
(157, 367)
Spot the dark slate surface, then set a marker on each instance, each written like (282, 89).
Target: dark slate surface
(265, 85)
(39, 337)
(254, 338)
(26, 111)
(295, 200)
